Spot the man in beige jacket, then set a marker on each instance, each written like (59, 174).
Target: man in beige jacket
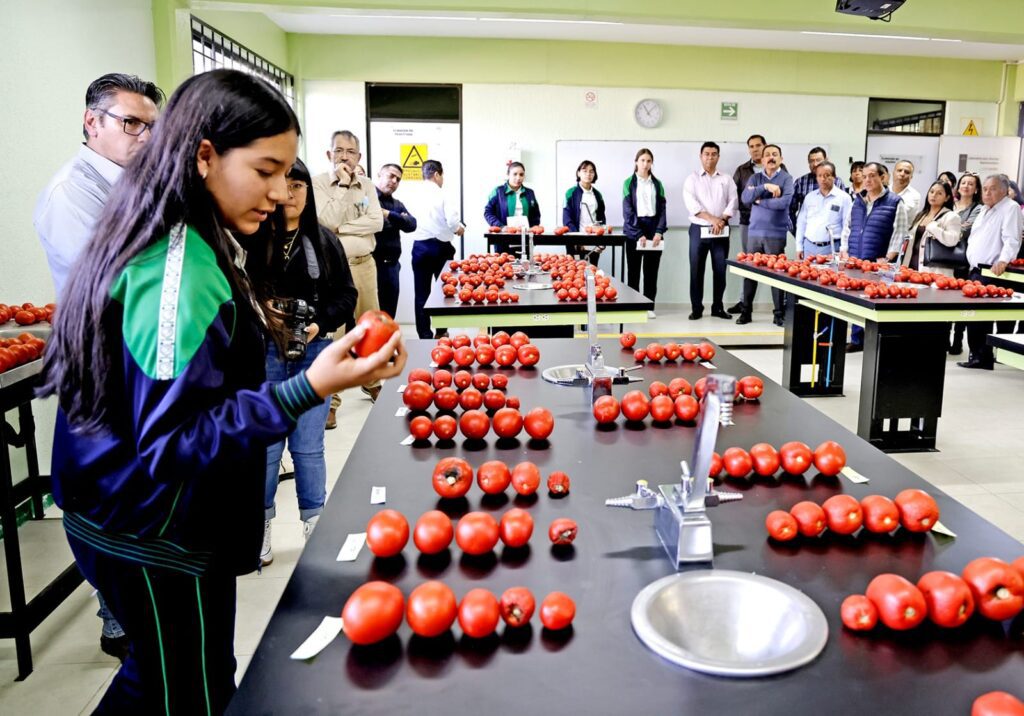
(347, 204)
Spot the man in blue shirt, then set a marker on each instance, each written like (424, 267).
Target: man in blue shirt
(120, 111)
(823, 224)
(769, 194)
(808, 183)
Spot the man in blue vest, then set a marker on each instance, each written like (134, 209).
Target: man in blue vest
(878, 217)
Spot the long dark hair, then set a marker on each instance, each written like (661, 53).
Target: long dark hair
(159, 189)
(926, 207)
(976, 199)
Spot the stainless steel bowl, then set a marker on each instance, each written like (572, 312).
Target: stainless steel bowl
(729, 623)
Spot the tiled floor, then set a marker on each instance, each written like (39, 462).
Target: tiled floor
(980, 440)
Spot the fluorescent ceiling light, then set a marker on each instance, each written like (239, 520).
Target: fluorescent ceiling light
(878, 37)
(402, 17)
(538, 19)
(467, 18)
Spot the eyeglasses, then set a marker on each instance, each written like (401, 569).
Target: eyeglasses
(294, 187)
(340, 151)
(131, 125)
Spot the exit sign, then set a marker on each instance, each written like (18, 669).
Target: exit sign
(730, 110)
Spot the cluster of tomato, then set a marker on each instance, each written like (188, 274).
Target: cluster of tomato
(501, 348)
(806, 270)
(988, 586)
(976, 289)
(569, 278)
(656, 352)
(453, 477)
(914, 510)
(480, 279)
(795, 458)
(27, 313)
(375, 611)
(535, 230)
(18, 351)
(1017, 262)
(474, 423)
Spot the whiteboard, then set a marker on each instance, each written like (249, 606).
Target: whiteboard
(922, 151)
(982, 155)
(673, 162)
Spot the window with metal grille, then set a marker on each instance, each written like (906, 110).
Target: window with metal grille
(212, 49)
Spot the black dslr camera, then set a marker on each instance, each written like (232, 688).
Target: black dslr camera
(297, 316)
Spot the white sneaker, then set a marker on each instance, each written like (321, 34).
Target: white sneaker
(652, 314)
(308, 525)
(266, 554)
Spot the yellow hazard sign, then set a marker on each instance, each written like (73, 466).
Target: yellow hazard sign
(413, 156)
(971, 130)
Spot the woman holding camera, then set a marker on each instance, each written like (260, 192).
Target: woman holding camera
(303, 268)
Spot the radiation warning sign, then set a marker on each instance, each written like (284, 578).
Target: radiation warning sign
(413, 156)
(971, 130)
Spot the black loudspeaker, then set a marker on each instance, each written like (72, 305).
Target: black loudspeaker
(873, 9)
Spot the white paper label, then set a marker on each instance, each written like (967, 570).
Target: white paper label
(402, 412)
(401, 388)
(852, 475)
(378, 495)
(408, 440)
(316, 642)
(709, 365)
(943, 530)
(353, 544)
(433, 364)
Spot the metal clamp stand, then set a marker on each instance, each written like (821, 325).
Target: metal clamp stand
(680, 518)
(594, 372)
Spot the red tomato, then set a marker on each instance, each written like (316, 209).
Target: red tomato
(481, 381)
(421, 427)
(858, 613)
(843, 514)
(700, 388)
(627, 339)
(518, 339)
(655, 352)
(1018, 564)
(557, 611)
(485, 354)
(516, 528)
(997, 588)
(431, 609)
(464, 356)
(686, 407)
(379, 328)
(446, 398)
(442, 378)
(479, 613)
(517, 606)
(880, 514)
(452, 477)
(689, 352)
(737, 462)
(418, 396)
(539, 423)
(373, 612)
(471, 399)
(499, 381)
(715, 470)
(558, 483)
(505, 355)
(796, 457)
(751, 387)
(387, 533)
(662, 409)
(829, 458)
(499, 339)
(420, 374)
(474, 424)
(463, 379)
(781, 525)
(445, 427)
(639, 355)
(918, 510)
(528, 354)
(26, 318)
(525, 478)
(476, 533)
(481, 339)
(635, 405)
(706, 350)
(949, 599)
(512, 402)
(563, 531)
(657, 388)
(997, 703)
(900, 604)
(765, 459)
(433, 532)
(810, 518)
(494, 399)
(672, 351)
(507, 422)
(493, 477)
(606, 409)
(679, 386)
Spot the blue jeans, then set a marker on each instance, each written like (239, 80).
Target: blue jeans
(305, 442)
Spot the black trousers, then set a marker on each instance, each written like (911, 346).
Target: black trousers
(766, 246)
(646, 261)
(388, 271)
(978, 331)
(699, 250)
(429, 257)
(181, 632)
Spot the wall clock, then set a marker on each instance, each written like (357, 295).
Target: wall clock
(648, 113)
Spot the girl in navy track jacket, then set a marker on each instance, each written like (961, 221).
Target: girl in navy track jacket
(644, 217)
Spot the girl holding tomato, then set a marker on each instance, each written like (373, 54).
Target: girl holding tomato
(644, 224)
(158, 363)
(511, 203)
(584, 206)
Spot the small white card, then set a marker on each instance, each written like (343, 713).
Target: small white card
(943, 530)
(402, 412)
(401, 388)
(709, 365)
(433, 364)
(705, 233)
(353, 544)
(408, 440)
(853, 476)
(649, 246)
(316, 642)
(378, 495)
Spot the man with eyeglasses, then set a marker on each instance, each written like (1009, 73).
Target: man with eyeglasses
(120, 111)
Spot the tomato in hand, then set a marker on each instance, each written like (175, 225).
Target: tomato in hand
(562, 531)
(606, 409)
(373, 612)
(418, 396)
(387, 533)
(900, 604)
(796, 457)
(829, 458)
(539, 423)
(452, 477)
(635, 405)
(515, 528)
(627, 340)
(737, 462)
(765, 459)
(433, 532)
(558, 483)
(421, 427)
(880, 514)
(997, 588)
(997, 703)
(949, 599)
(479, 613)
(918, 510)
(474, 424)
(379, 327)
(781, 525)
(445, 427)
(493, 477)
(431, 609)
(557, 611)
(525, 478)
(476, 533)
(517, 606)
(810, 518)
(507, 423)
(858, 613)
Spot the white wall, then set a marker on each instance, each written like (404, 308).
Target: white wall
(958, 113)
